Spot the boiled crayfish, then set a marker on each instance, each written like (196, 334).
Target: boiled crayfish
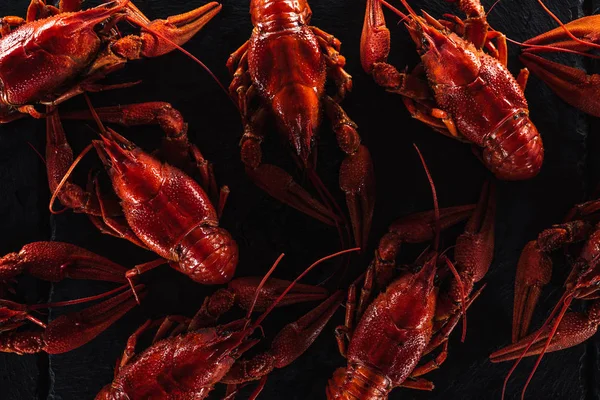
(462, 87)
(55, 54)
(189, 364)
(415, 313)
(53, 262)
(573, 85)
(281, 72)
(562, 329)
(157, 206)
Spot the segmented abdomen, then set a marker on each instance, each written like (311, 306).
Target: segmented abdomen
(492, 112)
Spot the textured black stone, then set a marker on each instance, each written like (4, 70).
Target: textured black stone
(264, 228)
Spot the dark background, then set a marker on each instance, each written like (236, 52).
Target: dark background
(264, 228)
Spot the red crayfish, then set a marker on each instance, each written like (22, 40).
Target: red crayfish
(157, 206)
(197, 356)
(417, 311)
(57, 53)
(281, 71)
(462, 87)
(573, 85)
(562, 329)
(55, 261)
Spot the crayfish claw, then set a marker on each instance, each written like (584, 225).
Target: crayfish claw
(295, 338)
(533, 273)
(178, 28)
(571, 84)
(357, 180)
(244, 290)
(585, 29)
(573, 329)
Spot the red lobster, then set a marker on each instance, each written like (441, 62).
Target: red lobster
(413, 316)
(562, 329)
(158, 206)
(284, 67)
(55, 261)
(57, 53)
(573, 85)
(459, 89)
(197, 355)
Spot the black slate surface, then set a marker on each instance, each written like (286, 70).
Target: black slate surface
(264, 228)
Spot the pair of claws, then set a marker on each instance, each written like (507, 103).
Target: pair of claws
(562, 329)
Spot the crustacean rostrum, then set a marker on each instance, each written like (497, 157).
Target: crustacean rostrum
(462, 87)
(53, 262)
(563, 328)
(152, 203)
(197, 355)
(55, 53)
(571, 84)
(281, 72)
(384, 338)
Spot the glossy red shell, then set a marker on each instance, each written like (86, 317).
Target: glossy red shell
(185, 366)
(42, 56)
(389, 340)
(288, 69)
(171, 214)
(487, 105)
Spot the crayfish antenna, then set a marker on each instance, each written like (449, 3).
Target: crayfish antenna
(291, 286)
(398, 12)
(260, 286)
(567, 31)
(566, 300)
(66, 178)
(436, 243)
(492, 7)
(97, 119)
(182, 50)
(567, 303)
(556, 49)
(436, 206)
(77, 301)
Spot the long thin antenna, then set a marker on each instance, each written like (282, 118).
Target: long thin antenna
(567, 31)
(260, 286)
(291, 286)
(436, 206)
(65, 178)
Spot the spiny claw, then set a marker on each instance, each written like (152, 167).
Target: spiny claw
(375, 38)
(73, 330)
(66, 332)
(54, 261)
(473, 254)
(244, 290)
(295, 338)
(420, 227)
(177, 28)
(475, 247)
(533, 273)
(572, 85)
(357, 180)
(585, 28)
(575, 328)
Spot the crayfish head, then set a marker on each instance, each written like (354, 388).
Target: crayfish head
(514, 151)
(136, 175)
